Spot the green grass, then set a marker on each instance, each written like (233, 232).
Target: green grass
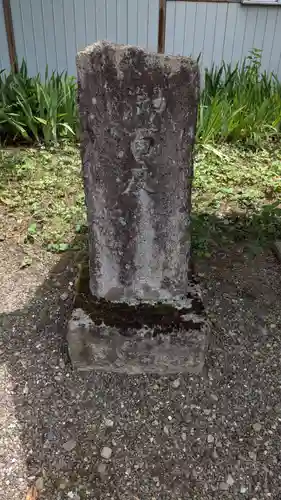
(43, 190)
(240, 103)
(37, 109)
(236, 197)
(237, 104)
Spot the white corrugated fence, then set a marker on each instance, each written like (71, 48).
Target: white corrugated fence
(50, 32)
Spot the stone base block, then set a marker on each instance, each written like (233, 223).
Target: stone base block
(146, 338)
(104, 348)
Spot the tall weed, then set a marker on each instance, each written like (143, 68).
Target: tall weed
(240, 103)
(36, 110)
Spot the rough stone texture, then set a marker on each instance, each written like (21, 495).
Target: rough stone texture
(105, 348)
(277, 249)
(138, 116)
(159, 441)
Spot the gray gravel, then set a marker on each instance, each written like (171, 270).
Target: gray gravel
(145, 438)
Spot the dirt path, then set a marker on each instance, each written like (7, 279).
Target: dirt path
(210, 437)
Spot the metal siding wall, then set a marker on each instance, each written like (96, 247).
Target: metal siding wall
(50, 32)
(4, 52)
(224, 31)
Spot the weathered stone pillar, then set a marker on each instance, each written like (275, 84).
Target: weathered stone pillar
(138, 117)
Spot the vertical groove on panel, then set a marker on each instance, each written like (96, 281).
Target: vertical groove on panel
(267, 46)
(33, 36)
(106, 23)
(216, 19)
(64, 28)
(242, 46)
(56, 49)
(116, 23)
(137, 10)
(273, 38)
(225, 29)
(264, 28)
(24, 45)
(195, 20)
(44, 35)
(169, 34)
(64, 31)
(154, 19)
(74, 18)
(127, 34)
(127, 21)
(174, 29)
(174, 26)
(209, 34)
(96, 23)
(204, 35)
(148, 25)
(85, 23)
(178, 28)
(275, 51)
(184, 37)
(189, 28)
(255, 30)
(234, 36)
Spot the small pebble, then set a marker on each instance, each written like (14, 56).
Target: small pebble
(25, 389)
(230, 480)
(62, 485)
(73, 496)
(69, 445)
(166, 430)
(102, 469)
(61, 363)
(176, 383)
(108, 422)
(224, 486)
(64, 296)
(106, 453)
(39, 483)
(257, 427)
(214, 397)
(210, 438)
(243, 490)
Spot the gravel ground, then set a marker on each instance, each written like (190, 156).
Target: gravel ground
(215, 436)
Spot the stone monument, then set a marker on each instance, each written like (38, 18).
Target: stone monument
(141, 311)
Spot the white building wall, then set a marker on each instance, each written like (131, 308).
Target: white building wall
(50, 32)
(224, 32)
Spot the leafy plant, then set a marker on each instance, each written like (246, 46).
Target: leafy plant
(36, 110)
(240, 104)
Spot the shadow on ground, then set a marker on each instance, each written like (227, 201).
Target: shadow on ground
(209, 436)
